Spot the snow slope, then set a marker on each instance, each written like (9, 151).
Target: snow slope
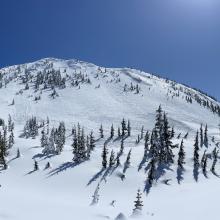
(65, 191)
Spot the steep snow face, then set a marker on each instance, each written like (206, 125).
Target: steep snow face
(105, 99)
(92, 96)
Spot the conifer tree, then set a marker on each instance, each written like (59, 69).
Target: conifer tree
(181, 154)
(75, 147)
(206, 140)
(203, 158)
(47, 166)
(11, 140)
(138, 139)
(88, 149)
(104, 157)
(48, 126)
(101, 132)
(196, 151)
(10, 124)
(215, 158)
(112, 131)
(3, 149)
(95, 197)
(81, 146)
(128, 159)
(18, 153)
(123, 127)
(91, 141)
(119, 132)
(36, 167)
(44, 139)
(122, 146)
(138, 204)
(186, 135)
(112, 159)
(159, 119)
(204, 164)
(118, 162)
(142, 132)
(172, 132)
(166, 136)
(201, 136)
(151, 173)
(60, 137)
(129, 128)
(49, 145)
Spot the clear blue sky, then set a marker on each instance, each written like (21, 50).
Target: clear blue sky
(178, 39)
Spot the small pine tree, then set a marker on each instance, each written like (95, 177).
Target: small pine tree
(3, 150)
(215, 158)
(112, 159)
(203, 158)
(146, 143)
(181, 159)
(196, 151)
(95, 197)
(138, 204)
(18, 153)
(48, 145)
(119, 132)
(201, 136)
(112, 131)
(123, 127)
(11, 140)
(122, 146)
(204, 164)
(142, 132)
(47, 166)
(206, 140)
(128, 159)
(36, 167)
(91, 141)
(118, 162)
(104, 157)
(138, 139)
(172, 132)
(129, 128)
(186, 135)
(101, 132)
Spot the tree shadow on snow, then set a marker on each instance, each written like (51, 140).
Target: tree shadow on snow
(30, 172)
(161, 170)
(63, 167)
(14, 158)
(215, 174)
(107, 141)
(108, 170)
(43, 156)
(144, 160)
(95, 177)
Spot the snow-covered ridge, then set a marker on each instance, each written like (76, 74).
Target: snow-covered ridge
(88, 68)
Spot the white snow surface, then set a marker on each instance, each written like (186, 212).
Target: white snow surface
(64, 191)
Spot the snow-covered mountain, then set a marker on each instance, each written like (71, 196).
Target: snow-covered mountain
(72, 92)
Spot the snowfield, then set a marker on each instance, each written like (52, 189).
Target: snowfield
(65, 190)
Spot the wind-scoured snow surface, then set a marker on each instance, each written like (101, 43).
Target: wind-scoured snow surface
(65, 191)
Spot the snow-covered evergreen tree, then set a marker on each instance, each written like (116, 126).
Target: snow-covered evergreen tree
(104, 157)
(138, 204)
